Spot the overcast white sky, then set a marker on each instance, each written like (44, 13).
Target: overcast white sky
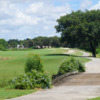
(21, 19)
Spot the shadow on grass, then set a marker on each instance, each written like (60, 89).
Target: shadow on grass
(65, 55)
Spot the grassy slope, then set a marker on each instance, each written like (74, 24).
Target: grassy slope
(12, 63)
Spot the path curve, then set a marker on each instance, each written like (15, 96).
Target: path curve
(66, 92)
(93, 66)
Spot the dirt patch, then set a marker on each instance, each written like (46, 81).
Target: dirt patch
(4, 58)
(51, 49)
(65, 48)
(69, 52)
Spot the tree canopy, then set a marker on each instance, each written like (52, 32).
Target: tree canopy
(13, 43)
(81, 28)
(47, 41)
(33, 43)
(3, 44)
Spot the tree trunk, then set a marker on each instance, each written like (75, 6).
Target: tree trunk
(94, 52)
(93, 49)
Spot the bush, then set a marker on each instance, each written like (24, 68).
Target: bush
(70, 65)
(33, 63)
(2, 48)
(97, 51)
(35, 76)
(31, 80)
(80, 66)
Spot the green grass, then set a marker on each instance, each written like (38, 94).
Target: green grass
(77, 53)
(98, 98)
(14, 93)
(12, 63)
(84, 51)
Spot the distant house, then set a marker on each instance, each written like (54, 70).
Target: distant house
(20, 46)
(38, 47)
(43, 46)
(49, 46)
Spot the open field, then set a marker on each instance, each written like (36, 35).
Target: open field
(12, 63)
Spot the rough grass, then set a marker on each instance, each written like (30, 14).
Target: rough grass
(12, 63)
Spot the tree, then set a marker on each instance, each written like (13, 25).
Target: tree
(47, 41)
(3, 44)
(38, 41)
(81, 28)
(13, 43)
(55, 41)
(41, 41)
(28, 43)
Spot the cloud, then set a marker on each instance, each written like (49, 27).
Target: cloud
(31, 18)
(96, 6)
(44, 9)
(85, 4)
(5, 31)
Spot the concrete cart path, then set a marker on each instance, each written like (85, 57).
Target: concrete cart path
(92, 66)
(73, 88)
(64, 93)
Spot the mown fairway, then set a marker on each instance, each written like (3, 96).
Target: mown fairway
(12, 63)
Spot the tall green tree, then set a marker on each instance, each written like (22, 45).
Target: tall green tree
(41, 41)
(13, 43)
(3, 44)
(81, 28)
(55, 41)
(47, 41)
(28, 43)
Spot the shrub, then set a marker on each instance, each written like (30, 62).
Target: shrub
(33, 63)
(70, 65)
(31, 80)
(2, 48)
(97, 51)
(81, 67)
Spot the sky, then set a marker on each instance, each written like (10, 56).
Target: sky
(21, 19)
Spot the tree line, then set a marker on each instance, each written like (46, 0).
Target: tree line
(31, 43)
